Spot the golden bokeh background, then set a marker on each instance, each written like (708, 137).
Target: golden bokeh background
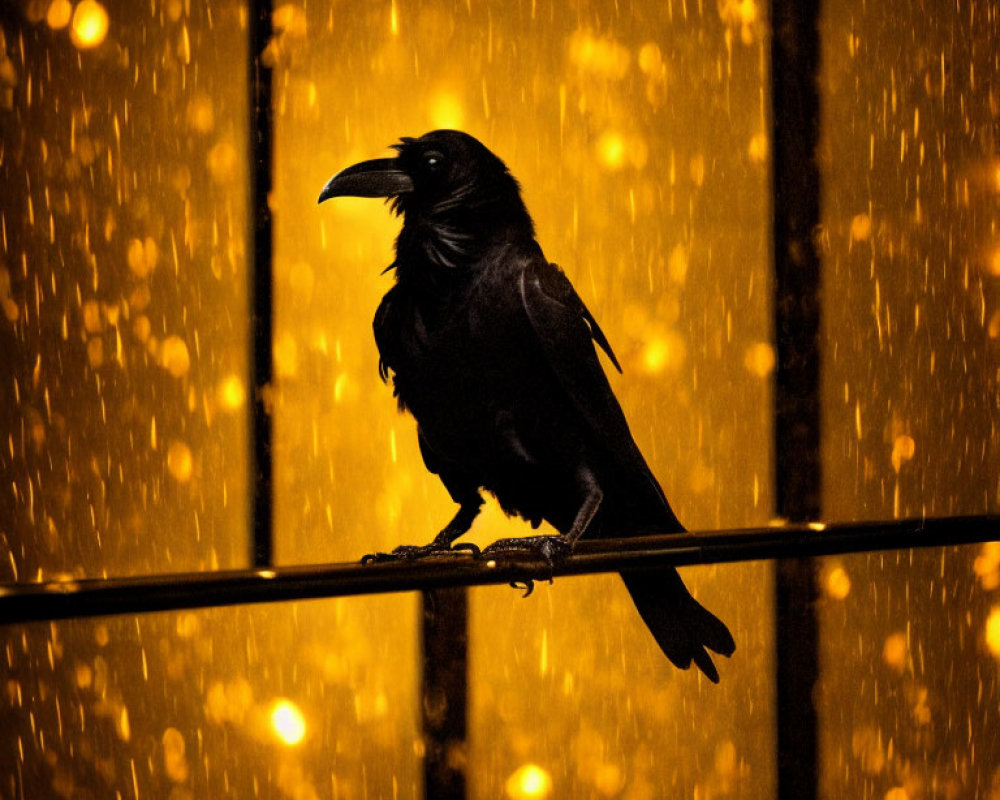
(640, 134)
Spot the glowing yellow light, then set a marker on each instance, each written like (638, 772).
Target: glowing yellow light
(993, 327)
(59, 14)
(677, 265)
(663, 352)
(897, 793)
(861, 228)
(603, 56)
(174, 760)
(611, 150)
(288, 722)
(232, 395)
(903, 449)
(142, 256)
(393, 19)
(90, 24)
(175, 357)
(446, 111)
(993, 262)
(95, 352)
(222, 163)
(529, 782)
(758, 148)
(894, 651)
(760, 359)
(993, 631)
(179, 462)
(838, 583)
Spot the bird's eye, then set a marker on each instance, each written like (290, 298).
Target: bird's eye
(433, 162)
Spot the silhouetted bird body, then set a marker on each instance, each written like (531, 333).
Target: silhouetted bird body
(491, 349)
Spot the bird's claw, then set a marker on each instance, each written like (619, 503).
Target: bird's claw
(415, 552)
(552, 549)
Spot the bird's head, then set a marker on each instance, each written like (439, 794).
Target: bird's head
(444, 174)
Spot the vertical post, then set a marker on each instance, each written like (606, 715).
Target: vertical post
(444, 691)
(795, 63)
(261, 324)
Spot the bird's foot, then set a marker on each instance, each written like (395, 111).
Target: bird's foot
(415, 552)
(551, 549)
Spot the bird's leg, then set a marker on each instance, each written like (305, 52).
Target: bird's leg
(555, 548)
(467, 512)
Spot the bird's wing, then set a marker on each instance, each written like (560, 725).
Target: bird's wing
(566, 331)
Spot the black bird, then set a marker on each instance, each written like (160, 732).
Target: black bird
(492, 351)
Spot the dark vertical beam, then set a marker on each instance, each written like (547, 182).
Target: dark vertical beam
(795, 64)
(261, 322)
(444, 691)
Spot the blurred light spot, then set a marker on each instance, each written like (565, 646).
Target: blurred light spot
(987, 566)
(867, 748)
(179, 462)
(603, 56)
(903, 449)
(993, 327)
(174, 356)
(59, 14)
(288, 722)
(92, 317)
(897, 793)
(725, 758)
(993, 262)
(231, 393)
(758, 148)
(95, 352)
(101, 635)
(200, 114)
(611, 150)
(759, 359)
(663, 352)
(894, 651)
(188, 624)
(837, 583)
(393, 19)
(529, 782)
(228, 702)
(650, 58)
(222, 163)
(142, 256)
(90, 24)
(141, 327)
(446, 111)
(609, 779)
(861, 228)
(291, 20)
(84, 676)
(993, 631)
(174, 760)
(677, 264)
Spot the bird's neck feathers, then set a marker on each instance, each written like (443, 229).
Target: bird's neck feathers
(456, 234)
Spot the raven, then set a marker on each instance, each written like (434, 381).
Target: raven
(492, 351)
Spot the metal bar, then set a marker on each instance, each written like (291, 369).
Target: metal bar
(261, 322)
(25, 602)
(795, 114)
(445, 691)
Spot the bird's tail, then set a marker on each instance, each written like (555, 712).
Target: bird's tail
(684, 629)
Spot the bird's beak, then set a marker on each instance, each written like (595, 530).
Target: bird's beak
(380, 177)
